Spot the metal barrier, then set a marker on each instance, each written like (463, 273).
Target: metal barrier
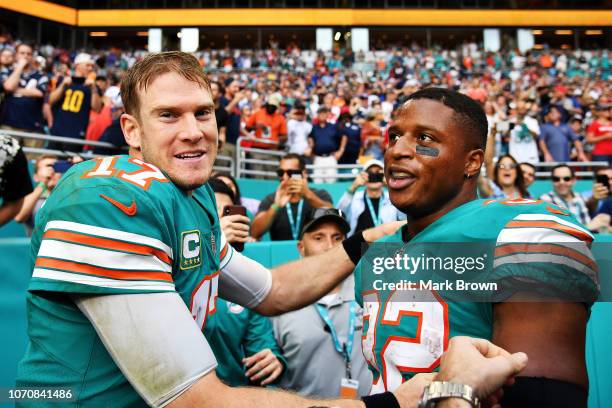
(243, 170)
(222, 163)
(576, 166)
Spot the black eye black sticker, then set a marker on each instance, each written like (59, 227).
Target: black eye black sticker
(427, 151)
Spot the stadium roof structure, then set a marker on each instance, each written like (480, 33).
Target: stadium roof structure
(260, 17)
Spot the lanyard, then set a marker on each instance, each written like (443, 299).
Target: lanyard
(295, 223)
(346, 348)
(375, 219)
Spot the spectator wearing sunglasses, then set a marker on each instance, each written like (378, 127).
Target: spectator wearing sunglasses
(283, 212)
(562, 195)
(322, 341)
(371, 206)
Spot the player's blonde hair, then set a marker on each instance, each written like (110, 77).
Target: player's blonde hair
(144, 72)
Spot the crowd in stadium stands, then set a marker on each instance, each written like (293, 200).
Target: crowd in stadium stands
(333, 108)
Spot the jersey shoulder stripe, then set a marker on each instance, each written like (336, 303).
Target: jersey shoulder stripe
(95, 281)
(112, 234)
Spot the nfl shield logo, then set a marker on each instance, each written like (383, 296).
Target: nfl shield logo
(213, 243)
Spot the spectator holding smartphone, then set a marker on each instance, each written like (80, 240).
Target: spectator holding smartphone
(283, 212)
(242, 340)
(562, 195)
(234, 226)
(369, 207)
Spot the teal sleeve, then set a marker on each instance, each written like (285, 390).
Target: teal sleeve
(260, 336)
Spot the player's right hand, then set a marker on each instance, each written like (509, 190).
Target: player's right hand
(480, 364)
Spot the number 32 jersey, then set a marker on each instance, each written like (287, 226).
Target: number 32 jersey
(525, 245)
(113, 226)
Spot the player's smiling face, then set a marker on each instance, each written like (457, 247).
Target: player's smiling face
(178, 130)
(425, 161)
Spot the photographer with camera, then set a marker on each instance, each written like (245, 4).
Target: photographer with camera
(283, 212)
(369, 207)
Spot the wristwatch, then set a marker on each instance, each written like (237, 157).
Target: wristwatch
(439, 390)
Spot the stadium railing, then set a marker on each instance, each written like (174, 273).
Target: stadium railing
(581, 169)
(222, 163)
(245, 160)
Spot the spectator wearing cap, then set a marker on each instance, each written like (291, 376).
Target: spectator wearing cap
(324, 147)
(371, 206)
(599, 133)
(282, 213)
(298, 129)
(322, 341)
(269, 128)
(562, 195)
(72, 101)
(25, 87)
(555, 139)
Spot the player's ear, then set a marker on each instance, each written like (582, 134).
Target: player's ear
(131, 130)
(300, 246)
(473, 163)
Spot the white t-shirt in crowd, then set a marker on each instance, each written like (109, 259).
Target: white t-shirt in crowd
(297, 135)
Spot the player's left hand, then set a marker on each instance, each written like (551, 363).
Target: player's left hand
(264, 367)
(409, 393)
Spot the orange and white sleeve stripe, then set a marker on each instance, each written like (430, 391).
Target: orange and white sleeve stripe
(96, 256)
(532, 238)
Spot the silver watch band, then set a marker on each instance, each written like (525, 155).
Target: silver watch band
(439, 390)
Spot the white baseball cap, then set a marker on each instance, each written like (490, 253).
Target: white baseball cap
(83, 58)
(373, 162)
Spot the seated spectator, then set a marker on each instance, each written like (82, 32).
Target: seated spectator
(599, 133)
(369, 207)
(556, 137)
(562, 195)
(507, 180)
(46, 178)
(298, 129)
(311, 338)
(600, 191)
(283, 212)
(251, 204)
(242, 340)
(15, 182)
(529, 174)
(324, 146)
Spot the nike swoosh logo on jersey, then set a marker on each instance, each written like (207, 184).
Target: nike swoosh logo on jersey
(131, 210)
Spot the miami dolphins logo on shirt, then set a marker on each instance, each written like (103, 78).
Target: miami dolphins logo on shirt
(191, 249)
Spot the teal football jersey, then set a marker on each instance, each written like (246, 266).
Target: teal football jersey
(514, 245)
(114, 225)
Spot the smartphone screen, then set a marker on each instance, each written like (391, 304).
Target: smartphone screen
(603, 179)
